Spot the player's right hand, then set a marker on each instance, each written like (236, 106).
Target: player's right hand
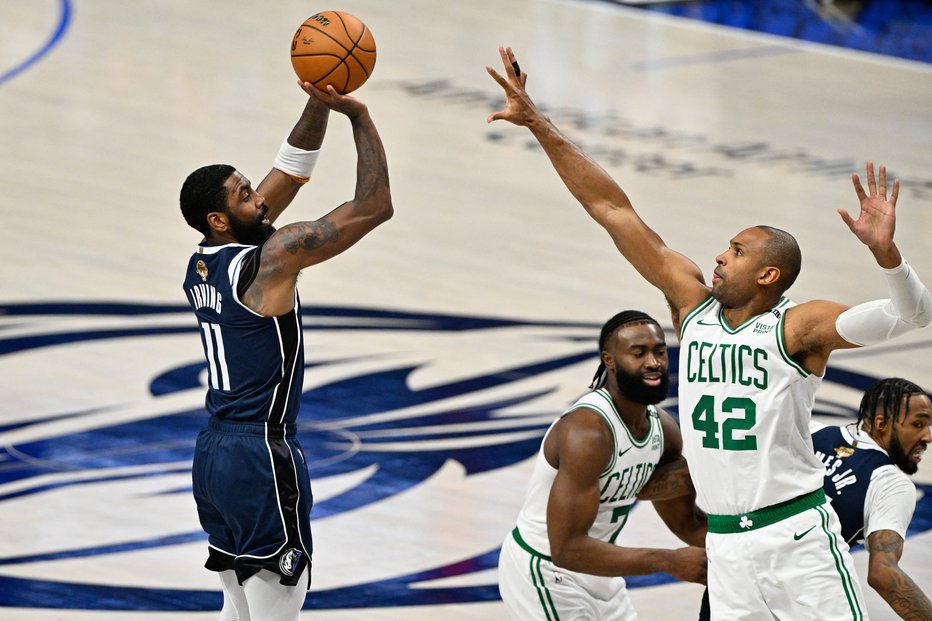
(344, 104)
(691, 564)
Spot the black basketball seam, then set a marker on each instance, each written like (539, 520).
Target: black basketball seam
(343, 23)
(356, 46)
(361, 66)
(328, 35)
(317, 54)
(349, 52)
(362, 33)
(337, 66)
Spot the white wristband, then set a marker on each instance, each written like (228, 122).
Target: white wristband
(911, 298)
(296, 163)
(909, 307)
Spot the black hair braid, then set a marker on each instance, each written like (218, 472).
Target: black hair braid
(611, 326)
(887, 396)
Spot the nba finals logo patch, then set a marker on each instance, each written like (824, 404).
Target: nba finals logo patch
(844, 451)
(201, 270)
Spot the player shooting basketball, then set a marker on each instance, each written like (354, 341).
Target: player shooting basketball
(250, 477)
(750, 363)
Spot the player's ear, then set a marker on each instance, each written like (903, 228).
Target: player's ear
(217, 220)
(608, 361)
(768, 275)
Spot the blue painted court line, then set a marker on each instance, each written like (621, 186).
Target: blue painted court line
(64, 19)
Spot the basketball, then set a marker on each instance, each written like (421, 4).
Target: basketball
(333, 47)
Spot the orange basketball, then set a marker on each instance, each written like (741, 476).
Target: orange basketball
(333, 47)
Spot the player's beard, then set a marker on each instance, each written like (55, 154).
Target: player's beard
(899, 456)
(251, 233)
(633, 387)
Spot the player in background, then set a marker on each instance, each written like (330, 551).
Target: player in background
(750, 363)
(867, 466)
(251, 483)
(612, 447)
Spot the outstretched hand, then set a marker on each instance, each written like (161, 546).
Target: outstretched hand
(344, 104)
(518, 105)
(876, 222)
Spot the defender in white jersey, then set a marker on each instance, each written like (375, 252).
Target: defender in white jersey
(749, 365)
(610, 449)
(867, 464)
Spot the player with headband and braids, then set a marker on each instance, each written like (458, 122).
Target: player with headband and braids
(611, 448)
(750, 363)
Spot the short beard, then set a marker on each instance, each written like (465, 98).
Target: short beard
(899, 456)
(633, 387)
(251, 233)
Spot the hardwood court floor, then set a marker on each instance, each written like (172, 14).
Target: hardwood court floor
(441, 346)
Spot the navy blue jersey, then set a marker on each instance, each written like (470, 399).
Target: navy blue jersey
(255, 363)
(848, 471)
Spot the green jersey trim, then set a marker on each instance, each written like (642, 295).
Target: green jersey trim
(689, 316)
(608, 422)
(635, 442)
(729, 524)
(527, 548)
(727, 327)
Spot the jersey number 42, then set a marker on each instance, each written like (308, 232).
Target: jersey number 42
(704, 420)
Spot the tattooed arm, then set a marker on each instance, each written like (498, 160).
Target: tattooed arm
(302, 244)
(279, 188)
(671, 490)
(671, 478)
(885, 548)
(668, 481)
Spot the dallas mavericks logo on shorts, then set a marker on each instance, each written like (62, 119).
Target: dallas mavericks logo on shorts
(288, 561)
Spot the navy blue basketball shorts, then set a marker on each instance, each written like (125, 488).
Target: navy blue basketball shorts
(253, 499)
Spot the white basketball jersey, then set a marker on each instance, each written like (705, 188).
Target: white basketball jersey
(744, 410)
(633, 461)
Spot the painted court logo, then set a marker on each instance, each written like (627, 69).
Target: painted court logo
(393, 414)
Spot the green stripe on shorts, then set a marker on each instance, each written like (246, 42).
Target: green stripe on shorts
(846, 581)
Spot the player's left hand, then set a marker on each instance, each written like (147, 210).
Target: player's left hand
(877, 220)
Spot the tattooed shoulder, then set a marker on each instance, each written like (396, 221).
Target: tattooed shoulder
(303, 236)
